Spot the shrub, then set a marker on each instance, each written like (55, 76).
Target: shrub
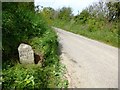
(22, 24)
(19, 26)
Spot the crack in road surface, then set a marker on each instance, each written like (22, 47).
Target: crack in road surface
(89, 63)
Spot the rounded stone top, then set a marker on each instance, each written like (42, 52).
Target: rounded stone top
(23, 46)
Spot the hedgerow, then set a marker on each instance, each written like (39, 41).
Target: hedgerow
(21, 24)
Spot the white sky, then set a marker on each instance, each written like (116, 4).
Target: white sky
(76, 5)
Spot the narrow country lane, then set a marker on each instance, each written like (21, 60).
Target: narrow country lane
(89, 63)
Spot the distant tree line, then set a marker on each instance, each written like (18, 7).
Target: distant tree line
(102, 18)
(102, 10)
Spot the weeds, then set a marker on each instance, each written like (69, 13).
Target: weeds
(102, 32)
(22, 25)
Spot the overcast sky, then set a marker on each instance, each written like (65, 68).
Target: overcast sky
(76, 5)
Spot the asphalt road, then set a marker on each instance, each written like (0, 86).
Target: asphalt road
(89, 63)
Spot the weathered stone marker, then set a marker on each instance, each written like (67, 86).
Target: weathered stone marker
(26, 54)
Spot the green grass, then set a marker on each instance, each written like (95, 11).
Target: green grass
(48, 75)
(106, 33)
(22, 25)
(33, 77)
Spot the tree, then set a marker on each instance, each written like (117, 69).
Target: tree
(48, 12)
(83, 17)
(98, 10)
(113, 10)
(65, 13)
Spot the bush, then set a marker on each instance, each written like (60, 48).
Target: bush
(22, 25)
(19, 26)
(93, 28)
(33, 77)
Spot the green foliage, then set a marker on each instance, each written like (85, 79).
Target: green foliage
(47, 44)
(22, 25)
(98, 21)
(98, 30)
(32, 77)
(65, 13)
(50, 14)
(114, 10)
(83, 17)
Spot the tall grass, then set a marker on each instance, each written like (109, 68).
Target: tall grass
(22, 25)
(101, 31)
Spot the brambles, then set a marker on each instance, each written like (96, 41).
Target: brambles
(21, 24)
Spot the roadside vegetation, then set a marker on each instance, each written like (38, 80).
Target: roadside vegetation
(21, 24)
(99, 21)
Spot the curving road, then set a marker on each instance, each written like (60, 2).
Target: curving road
(89, 63)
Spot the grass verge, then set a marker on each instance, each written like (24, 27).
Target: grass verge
(48, 75)
(23, 25)
(106, 32)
